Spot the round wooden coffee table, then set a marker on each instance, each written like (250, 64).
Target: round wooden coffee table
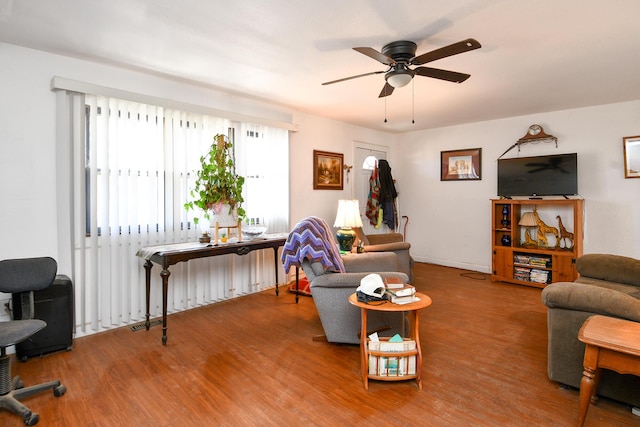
(365, 352)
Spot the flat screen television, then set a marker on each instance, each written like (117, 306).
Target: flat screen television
(554, 175)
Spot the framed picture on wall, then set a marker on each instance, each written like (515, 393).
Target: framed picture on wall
(460, 165)
(328, 170)
(631, 148)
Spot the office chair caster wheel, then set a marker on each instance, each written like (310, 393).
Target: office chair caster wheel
(19, 384)
(59, 391)
(31, 419)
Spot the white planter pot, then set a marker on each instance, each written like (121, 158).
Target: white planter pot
(223, 216)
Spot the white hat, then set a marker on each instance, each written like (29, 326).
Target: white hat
(372, 285)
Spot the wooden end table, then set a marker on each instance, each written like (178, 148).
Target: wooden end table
(412, 308)
(610, 344)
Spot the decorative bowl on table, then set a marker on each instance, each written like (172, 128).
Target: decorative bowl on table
(253, 231)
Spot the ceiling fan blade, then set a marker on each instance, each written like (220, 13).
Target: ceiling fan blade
(437, 73)
(372, 53)
(352, 77)
(386, 90)
(443, 52)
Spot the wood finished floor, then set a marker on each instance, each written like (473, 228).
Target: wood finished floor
(251, 361)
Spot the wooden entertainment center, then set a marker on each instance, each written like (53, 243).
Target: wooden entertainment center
(519, 254)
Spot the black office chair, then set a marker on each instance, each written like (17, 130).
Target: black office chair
(18, 276)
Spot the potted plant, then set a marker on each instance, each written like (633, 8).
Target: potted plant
(218, 189)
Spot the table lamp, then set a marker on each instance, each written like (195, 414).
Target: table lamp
(348, 216)
(528, 220)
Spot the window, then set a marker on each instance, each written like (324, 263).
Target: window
(134, 167)
(144, 162)
(369, 163)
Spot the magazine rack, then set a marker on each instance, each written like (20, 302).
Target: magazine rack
(397, 358)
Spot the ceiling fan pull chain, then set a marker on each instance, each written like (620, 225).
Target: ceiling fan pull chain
(385, 109)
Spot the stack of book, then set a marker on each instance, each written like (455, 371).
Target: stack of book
(536, 261)
(399, 293)
(520, 273)
(540, 276)
(521, 259)
(532, 260)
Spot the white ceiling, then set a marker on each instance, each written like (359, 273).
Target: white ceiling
(536, 56)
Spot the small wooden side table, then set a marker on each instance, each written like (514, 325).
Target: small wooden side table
(412, 308)
(611, 344)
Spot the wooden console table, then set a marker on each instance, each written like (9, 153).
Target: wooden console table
(167, 255)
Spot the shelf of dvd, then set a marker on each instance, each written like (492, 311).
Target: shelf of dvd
(532, 268)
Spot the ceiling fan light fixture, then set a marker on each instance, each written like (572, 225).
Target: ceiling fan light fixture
(399, 77)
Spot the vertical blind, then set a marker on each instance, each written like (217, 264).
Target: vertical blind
(133, 167)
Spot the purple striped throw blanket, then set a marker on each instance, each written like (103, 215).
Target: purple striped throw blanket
(312, 239)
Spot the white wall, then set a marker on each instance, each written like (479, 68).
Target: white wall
(327, 135)
(450, 221)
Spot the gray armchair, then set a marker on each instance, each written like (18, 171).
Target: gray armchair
(330, 291)
(389, 242)
(311, 245)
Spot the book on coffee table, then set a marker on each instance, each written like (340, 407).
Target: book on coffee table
(393, 283)
(405, 291)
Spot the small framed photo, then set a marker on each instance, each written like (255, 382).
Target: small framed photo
(631, 147)
(328, 170)
(460, 165)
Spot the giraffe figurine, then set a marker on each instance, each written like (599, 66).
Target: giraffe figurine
(528, 241)
(544, 229)
(564, 235)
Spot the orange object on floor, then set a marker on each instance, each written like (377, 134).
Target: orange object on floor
(304, 287)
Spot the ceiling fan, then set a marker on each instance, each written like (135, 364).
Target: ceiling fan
(399, 55)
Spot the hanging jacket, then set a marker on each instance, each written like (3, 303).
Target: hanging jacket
(373, 200)
(388, 194)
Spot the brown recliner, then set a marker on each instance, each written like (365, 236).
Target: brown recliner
(389, 242)
(608, 285)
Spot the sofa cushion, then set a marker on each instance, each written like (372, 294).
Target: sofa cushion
(612, 268)
(312, 269)
(374, 261)
(592, 299)
(384, 238)
(621, 287)
(370, 261)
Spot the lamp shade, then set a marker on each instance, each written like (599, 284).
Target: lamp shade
(348, 214)
(528, 220)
